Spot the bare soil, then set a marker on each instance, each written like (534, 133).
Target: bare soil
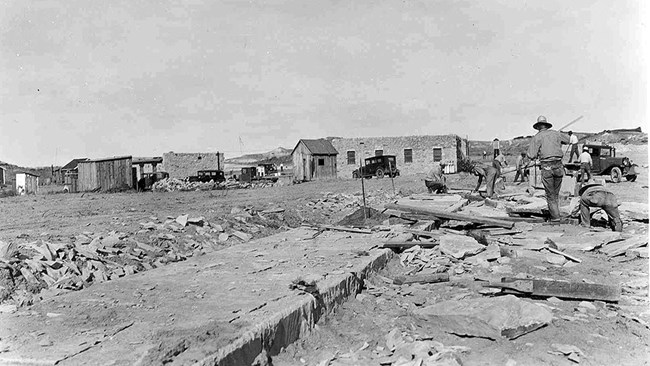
(607, 335)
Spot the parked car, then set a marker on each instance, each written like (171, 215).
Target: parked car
(205, 176)
(148, 179)
(269, 169)
(249, 174)
(605, 162)
(377, 166)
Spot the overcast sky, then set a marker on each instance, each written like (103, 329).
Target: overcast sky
(82, 78)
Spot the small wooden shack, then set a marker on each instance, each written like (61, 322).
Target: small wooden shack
(105, 174)
(26, 183)
(314, 159)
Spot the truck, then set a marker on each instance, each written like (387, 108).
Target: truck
(605, 162)
(249, 174)
(148, 179)
(377, 166)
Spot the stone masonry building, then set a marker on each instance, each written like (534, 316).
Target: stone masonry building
(414, 154)
(181, 165)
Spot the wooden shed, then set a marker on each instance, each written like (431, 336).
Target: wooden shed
(26, 183)
(105, 174)
(314, 159)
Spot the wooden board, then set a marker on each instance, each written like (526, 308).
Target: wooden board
(451, 216)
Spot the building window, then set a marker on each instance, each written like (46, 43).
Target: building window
(408, 155)
(321, 162)
(437, 154)
(379, 152)
(352, 159)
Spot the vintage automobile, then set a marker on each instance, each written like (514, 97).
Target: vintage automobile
(250, 174)
(269, 169)
(148, 179)
(605, 162)
(377, 166)
(205, 176)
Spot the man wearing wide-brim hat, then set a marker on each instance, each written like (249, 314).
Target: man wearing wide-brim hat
(546, 146)
(595, 195)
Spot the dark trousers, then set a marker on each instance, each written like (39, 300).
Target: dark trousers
(574, 150)
(496, 153)
(605, 200)
(491, 176)
(552, 174)
(585, 172)
(435, 187)
(523, 173)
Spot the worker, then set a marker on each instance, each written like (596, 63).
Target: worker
(495, 147)
(435, 180)
(573, 145)
(489, 174)
(499, 162)
(595, 195)
(484, 154)
(522, 168)
(546, 146)
(585, 164)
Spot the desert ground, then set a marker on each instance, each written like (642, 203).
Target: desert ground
(383, 324)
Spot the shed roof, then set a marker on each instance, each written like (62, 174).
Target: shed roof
(73, 164)
(28, 173)
(107, 159)
(318, 147)
(155, 159)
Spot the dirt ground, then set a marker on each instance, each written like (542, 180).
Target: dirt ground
(602, 334)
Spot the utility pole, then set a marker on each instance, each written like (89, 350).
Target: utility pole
(363, 188)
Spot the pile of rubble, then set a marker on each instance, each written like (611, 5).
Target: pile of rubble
(338, 202)
(29, 270)
(174, 185)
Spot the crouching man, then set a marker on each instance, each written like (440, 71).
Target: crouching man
(435, 180)
(595, 195)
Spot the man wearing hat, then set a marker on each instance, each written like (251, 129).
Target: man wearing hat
(595, 195)
(585, 164)
(546, 146)
(573, 145)
(435, 181)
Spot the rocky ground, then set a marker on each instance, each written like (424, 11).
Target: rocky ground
(67, 242)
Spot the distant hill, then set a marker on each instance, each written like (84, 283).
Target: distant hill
(276, 156)
(520, 144)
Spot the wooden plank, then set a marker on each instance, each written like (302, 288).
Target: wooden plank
(567, 256)
(426, 234)
(451, 216)
(560, 289)
(346, 229)
(422, 278)
(409, 244)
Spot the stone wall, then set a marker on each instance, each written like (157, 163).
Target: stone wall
(181, 165)
(453, 149)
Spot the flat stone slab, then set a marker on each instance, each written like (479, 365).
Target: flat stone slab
(459, 246)
(492, 318)
(586, 241)
(217, 308)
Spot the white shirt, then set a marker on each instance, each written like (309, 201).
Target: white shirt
(573, 139)
(585, 158)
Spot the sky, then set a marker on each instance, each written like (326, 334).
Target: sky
(94, 78)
